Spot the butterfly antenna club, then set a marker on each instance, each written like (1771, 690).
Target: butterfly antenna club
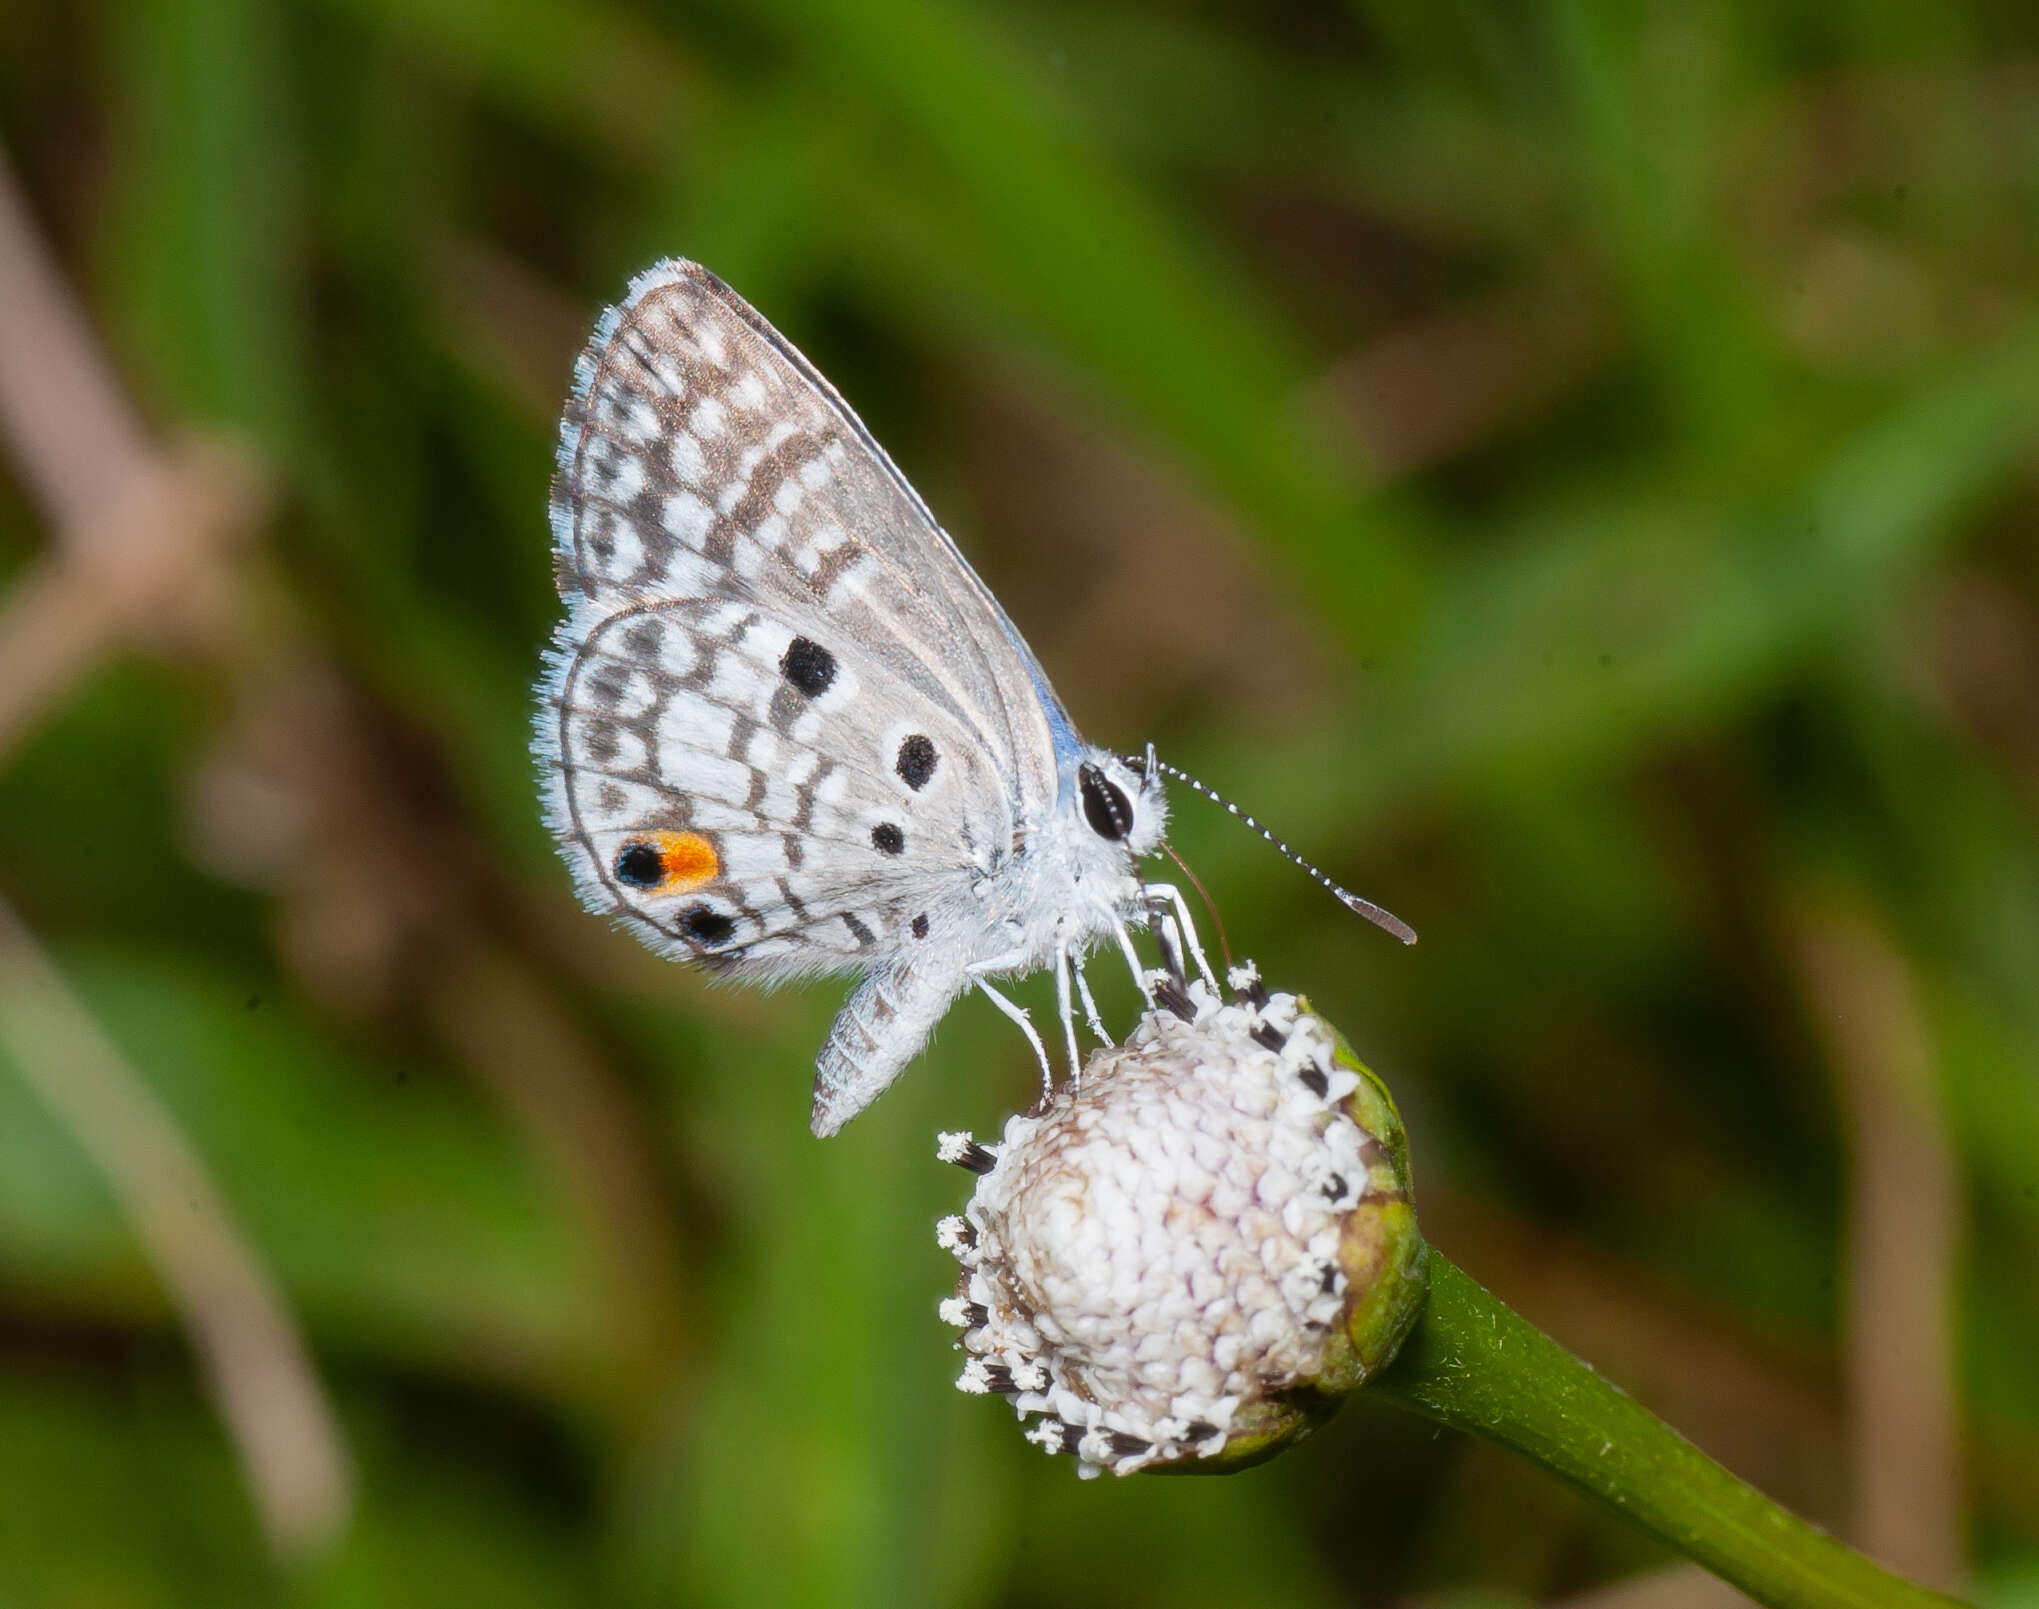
(1387, 921)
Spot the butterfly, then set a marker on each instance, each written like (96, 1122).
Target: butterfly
(784, 729)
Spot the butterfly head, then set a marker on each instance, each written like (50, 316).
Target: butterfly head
(1121, 803)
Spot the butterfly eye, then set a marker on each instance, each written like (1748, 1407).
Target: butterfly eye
(1105, 806)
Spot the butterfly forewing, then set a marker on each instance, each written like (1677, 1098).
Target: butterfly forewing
(784, 721)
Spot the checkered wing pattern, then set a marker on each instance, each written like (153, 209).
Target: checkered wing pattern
(784, 728)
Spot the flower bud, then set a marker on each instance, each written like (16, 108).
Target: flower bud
(1186, 1257)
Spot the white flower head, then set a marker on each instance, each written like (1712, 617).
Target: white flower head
(1189, 1254)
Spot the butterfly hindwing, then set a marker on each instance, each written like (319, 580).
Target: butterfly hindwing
(785, 725)
(790, 847)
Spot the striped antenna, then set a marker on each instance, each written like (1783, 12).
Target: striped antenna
(1387, 921)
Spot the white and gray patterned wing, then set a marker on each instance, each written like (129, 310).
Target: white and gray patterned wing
(785, 727)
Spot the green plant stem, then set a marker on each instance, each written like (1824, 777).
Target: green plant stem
(1473, 1363)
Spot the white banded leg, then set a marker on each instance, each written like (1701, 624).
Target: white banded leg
(1167, 934)
(1167, 939)
(1133, 962)
(1018, 1013)
(1173, 895)
(1062, 1005)
(1089, 1004)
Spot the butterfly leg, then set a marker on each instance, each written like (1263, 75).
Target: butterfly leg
(1018, 1013)
(1089, 1004)
(1167, 939)
(1133, 963)
(1171, 893)
(1063, 1006)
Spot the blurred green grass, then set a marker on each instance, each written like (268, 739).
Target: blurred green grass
(1694, 586)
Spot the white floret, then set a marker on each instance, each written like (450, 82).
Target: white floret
(1158, 1245)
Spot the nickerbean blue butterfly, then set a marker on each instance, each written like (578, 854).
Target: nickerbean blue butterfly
(785, 730)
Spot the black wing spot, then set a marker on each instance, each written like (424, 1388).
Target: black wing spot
(920, 926)
(1105, 805)
(887, 839)
(808, 666)
(644, 640)
(916, 762)
(706, 925)
(641, 866)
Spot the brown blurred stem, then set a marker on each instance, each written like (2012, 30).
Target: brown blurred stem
(137, 527)
(1473, 1363)
(64, 418)
(249, 1351)
(1904, 1234)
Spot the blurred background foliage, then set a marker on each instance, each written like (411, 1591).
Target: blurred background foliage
(1570, 467)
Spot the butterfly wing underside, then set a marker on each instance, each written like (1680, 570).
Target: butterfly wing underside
(785, 728)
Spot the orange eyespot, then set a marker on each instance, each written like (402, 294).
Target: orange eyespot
(667, 862)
